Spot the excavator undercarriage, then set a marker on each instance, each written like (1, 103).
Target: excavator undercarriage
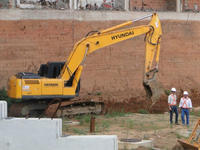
(57, 109)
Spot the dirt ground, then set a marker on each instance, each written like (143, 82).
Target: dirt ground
(123, 101)
(135, 125)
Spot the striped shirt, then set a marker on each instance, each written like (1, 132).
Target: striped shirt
(172, 99)
(185, 102)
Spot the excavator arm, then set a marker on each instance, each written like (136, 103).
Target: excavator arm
(99, 39)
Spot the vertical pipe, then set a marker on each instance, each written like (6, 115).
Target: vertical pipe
(92, 124)
(12, 4)
(75, 4)
(178, 5)
(126, 7)
(3, 109)
(71, 4)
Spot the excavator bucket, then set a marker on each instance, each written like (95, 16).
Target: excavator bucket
(154, 89)
(193, 142)
(187, 146)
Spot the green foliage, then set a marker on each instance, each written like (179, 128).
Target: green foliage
(192, 113)
(167, 92)
(195, 113)
(97, 128)
(130, 124)
(79, 131)
(178, 136)
(4, 96)
(143, 111)
(98, 93)
(105, 124)
(65, 128)
(83, 119)
(115, 114)
(102, 126)
(122, 124)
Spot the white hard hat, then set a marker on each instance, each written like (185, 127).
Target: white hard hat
(173, 89)
(185, 93)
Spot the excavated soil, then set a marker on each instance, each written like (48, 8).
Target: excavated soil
(135, 104)
(141, 103)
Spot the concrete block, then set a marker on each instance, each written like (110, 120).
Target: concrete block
(3, 109)
(24, 6)
(184, 132)
(134, 145)
(90, 142)
(46, 134)
(71, 123)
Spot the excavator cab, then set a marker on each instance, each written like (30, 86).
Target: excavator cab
(51, 69)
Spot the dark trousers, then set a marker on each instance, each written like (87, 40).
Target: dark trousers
(185, 111)
(173, 110)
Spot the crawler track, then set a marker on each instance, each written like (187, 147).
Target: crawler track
(66, 108)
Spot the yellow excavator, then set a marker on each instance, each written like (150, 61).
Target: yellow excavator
(60, 81)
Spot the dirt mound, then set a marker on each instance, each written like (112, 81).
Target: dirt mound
(142, 104)
(136, 104)
(195, 97)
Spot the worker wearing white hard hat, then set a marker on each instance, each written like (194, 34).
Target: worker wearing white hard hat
(185, 105)
(172, 103)
(173, 89)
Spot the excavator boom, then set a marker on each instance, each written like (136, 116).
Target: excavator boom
(114, 35)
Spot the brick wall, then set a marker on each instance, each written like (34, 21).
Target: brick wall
(189, 5)
(24, 45)
(163, 5)
(155, 5)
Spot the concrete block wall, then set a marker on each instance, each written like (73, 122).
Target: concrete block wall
(3, 110)
(46, 134)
